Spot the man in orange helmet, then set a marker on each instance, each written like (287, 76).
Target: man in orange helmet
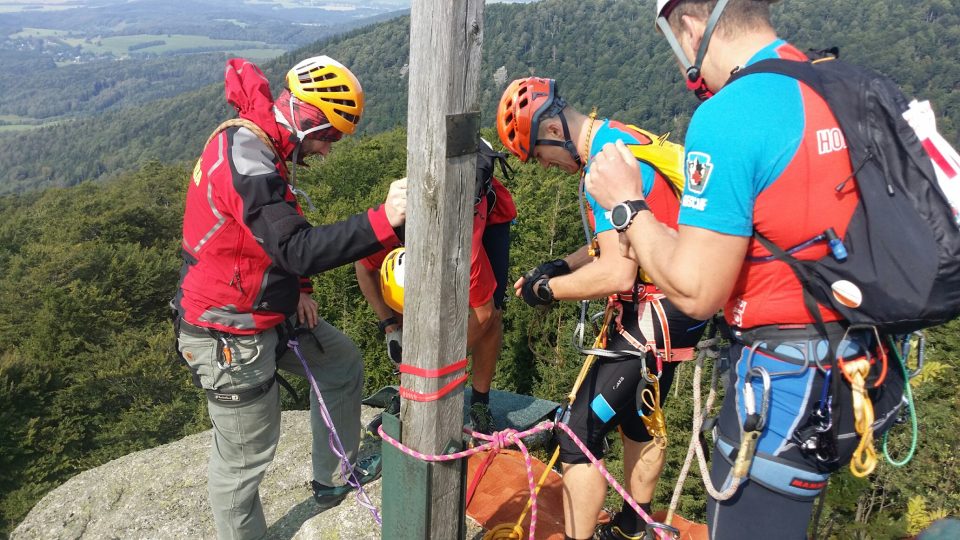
(534, 121)
(490, 258)
(247, 250)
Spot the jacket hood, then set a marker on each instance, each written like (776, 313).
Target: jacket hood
(248, 90)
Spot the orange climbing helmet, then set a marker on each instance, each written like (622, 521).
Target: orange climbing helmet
(523, 104)
(391, 279)
(518, 115)
(329, 86)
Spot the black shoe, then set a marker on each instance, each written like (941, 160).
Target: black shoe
(481, 418)
(373, 427)
(366, 470)
(393, 407)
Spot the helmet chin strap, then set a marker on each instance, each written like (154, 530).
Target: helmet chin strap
(695, 82)
(567, 144)
(297, 138)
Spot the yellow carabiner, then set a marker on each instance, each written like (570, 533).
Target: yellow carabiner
(655, 421)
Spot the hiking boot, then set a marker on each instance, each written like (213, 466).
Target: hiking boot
(612, 531)
(366, 470)
(374, 425)
(393, 407)
(481, 418)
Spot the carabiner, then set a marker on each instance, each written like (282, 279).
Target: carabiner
(655, 526)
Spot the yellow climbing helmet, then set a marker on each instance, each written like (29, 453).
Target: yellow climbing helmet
(329, 86)
(391, 279)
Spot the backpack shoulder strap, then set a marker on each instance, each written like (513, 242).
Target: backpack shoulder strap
(801, 71)
(243, 122)
(664, 156)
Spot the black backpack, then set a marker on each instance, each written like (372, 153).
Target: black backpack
(902, 269)
(487, 161)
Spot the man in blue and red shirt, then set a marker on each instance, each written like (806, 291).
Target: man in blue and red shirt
(247, 252)
(763, 155)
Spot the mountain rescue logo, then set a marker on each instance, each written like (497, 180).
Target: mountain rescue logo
(699, 168)
(197, 173)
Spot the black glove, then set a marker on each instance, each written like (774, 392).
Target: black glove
(554, 268)
(536, 289)
(395, 345)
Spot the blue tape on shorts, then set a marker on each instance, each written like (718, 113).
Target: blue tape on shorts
(602, 409)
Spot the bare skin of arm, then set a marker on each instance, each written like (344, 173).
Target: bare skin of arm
(369, 281)
(592, 277)
(696, 268)
(609, 273)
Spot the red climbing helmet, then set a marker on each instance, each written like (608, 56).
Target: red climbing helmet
(519, 112)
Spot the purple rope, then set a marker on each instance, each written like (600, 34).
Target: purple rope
(336, 446)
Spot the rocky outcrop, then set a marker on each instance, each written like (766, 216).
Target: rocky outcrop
(162, 493)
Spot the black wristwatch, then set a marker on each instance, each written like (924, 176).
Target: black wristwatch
(382, 325)
(544, 292)
(622, 214)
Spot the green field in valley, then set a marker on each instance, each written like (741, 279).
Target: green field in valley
(17, 6)
(171, 43)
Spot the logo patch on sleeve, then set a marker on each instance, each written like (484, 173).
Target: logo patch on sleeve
(197, 173)
(699, 168)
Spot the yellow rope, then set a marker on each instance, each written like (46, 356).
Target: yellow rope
(507, 531)
(864, 459)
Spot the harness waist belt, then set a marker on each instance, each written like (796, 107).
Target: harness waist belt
(778, 474)
(235, 399)
(644, 290)
(802, 344)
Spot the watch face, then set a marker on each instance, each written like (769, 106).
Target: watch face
(620, 216)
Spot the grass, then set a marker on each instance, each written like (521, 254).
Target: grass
(38, 32)
(13, 122)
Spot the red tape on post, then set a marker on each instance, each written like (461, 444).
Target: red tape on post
(406, 393)
(433, 373)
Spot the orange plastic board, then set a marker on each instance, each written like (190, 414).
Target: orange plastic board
(688, 530)
(503, 493)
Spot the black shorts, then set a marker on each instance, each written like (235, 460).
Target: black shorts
(496, 242)
(609, 396)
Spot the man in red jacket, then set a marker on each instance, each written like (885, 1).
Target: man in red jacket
(247, 250)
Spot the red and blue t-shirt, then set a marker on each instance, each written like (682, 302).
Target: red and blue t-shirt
(656, 189)
(766, 154)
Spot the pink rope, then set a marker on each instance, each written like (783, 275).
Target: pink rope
(501, 439)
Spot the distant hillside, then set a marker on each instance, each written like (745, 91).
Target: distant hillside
(605, 53)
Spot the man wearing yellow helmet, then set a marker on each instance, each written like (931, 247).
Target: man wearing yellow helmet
(490, 253)
(247, 249)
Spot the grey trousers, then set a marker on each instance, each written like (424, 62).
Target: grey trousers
(245, 436)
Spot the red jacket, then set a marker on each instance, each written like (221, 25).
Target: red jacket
(245, 240)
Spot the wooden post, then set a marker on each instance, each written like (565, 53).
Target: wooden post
(442, 130)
